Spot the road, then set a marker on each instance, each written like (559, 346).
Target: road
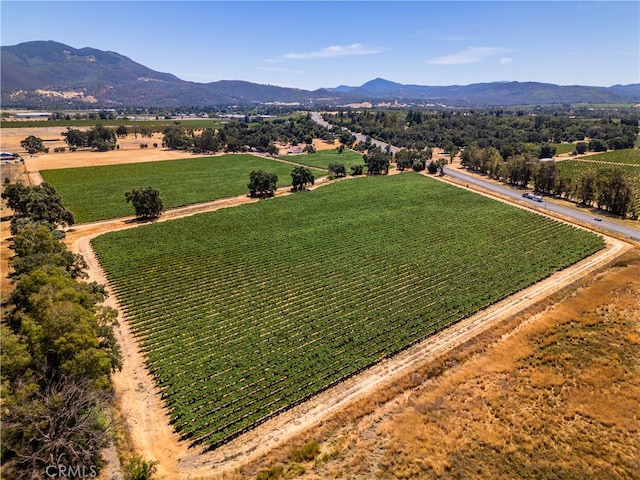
(568, 212)
(581, 217)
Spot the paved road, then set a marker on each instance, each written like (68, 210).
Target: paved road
(582, 217)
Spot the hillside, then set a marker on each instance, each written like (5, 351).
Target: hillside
(48, 74)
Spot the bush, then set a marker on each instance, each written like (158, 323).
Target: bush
(356, 170)
(140, 469)
(273, 472)
(306, 453)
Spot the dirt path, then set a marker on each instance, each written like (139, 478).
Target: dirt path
(146, 417)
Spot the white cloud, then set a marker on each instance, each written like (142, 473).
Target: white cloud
(333, 51)
(472, 55)
(505, 60)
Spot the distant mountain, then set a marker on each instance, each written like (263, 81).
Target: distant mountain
(495, 93)
(47, 74)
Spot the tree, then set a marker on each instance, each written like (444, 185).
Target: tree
(301, 177)
(33, 144)
(62, 424)
(355, 170)
(547, 151)
(614, 191)
(598, 145)
(587, 188)
(262, 184)
(377, 162)
(347, 138)
(403, 160)
(206, 141)
(546, 177)
(122, 131)
(35, 245)
(146, 201)
(76, 138)
(176, 139)
(338, 169)
(39, 204)
(581, 147)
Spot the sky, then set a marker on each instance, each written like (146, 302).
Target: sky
(315, 44)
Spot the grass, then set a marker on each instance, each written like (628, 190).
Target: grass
(628, 156)
(246, 311)
(322, 159)
(562, 148)
(96, 193)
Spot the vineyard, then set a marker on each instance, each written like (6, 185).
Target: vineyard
(97, 193)
(244, 312)
(324, 158)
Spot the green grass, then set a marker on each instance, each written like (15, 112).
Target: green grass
(562, 148)
(322, 158)
(244, 312)
(96, 193)
(629, 156)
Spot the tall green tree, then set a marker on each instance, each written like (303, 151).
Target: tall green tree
(377, 162)
(146, 201)
(39, 204)
(262, 184)
(300, 178)
(33, 144)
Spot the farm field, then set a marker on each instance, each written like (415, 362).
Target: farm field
(97, 193)
(322, 158)
(248, 311)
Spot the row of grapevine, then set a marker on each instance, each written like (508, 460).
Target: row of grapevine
(271, 303)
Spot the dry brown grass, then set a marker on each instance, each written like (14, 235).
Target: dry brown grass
(558, 397)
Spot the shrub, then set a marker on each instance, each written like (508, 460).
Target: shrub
(306, 453)
(140, 469)
(273, 472)
(356, 170)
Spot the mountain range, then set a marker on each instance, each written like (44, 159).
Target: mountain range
(47, 74)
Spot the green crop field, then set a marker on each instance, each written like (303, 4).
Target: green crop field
(96, 193)
(564, 148)
(322, 158)
(247, 311)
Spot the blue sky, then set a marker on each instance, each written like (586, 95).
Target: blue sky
(325, 44)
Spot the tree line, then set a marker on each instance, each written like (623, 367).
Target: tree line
(509, 133)
(606, 188)
(243, 136)
(58, 346)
